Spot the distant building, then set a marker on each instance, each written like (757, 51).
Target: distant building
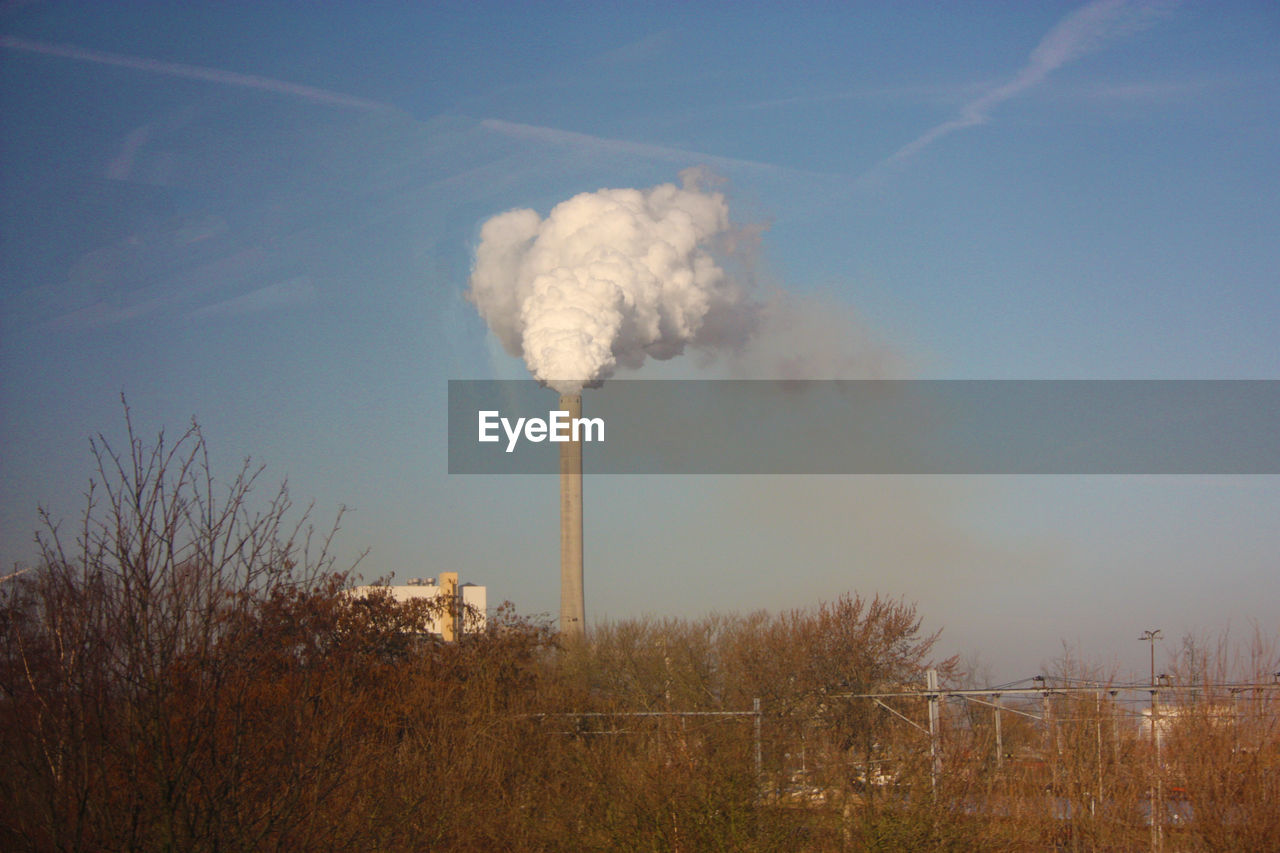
(467, 616)
(1168, 719)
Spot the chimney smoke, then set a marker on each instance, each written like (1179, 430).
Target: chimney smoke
(610, 279)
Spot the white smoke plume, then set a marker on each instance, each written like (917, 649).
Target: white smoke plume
(609, 279)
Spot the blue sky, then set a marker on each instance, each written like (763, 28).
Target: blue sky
(262, 215)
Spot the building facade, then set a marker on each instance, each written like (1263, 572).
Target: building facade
(466, 603)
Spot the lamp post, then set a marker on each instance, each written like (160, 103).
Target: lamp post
(1151, 637)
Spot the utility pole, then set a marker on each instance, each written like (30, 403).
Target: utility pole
(1235, 721)
(1092, 807)
(755, 712)
(995, 701)
(1115, 729)
(931, 683)
(1157, 789)
(1151, 637)
(1051, 736)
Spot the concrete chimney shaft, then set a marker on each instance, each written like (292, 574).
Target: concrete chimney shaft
(449, 591)
(573, 618)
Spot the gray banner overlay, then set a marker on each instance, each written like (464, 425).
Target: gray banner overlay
(884, 427)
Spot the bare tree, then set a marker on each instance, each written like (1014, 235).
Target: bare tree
(114, 648)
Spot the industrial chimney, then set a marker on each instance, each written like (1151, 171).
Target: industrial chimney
(573, 619)
(450, 624)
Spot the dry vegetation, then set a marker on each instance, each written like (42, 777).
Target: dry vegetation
(187, 673)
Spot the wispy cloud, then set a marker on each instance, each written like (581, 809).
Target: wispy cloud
(137, 278)
(105, 312)
(934, 93)
(643, 49)
(588, 144)
(121, 166)
(1084, 31)
(293, 293)
(191, 72)
(1161, 91)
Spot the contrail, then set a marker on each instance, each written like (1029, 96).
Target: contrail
(1085, 30)
(593, 144)
(191, 72)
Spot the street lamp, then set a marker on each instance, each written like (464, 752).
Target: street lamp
(1151, 637)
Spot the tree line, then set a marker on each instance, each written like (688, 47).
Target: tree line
(188, 669)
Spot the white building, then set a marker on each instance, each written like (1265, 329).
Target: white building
(1168, 719)
(449, 623)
